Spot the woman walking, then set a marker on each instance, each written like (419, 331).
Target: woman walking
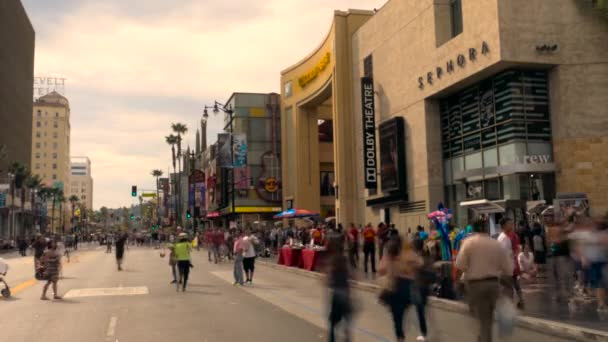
(237, 250)
(182, 254)
(341, 309)
(399, 267)
(51, 262)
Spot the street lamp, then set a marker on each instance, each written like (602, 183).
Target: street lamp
(217, 107)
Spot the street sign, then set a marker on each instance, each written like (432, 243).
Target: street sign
(149, 194)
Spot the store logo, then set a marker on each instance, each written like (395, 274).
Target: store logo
(537, 159)
(271, 185)
(310, 76)
(461, 61)
(369, 133)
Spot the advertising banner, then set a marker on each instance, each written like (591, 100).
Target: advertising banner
(370, 169)
(392, 155)
(241, 178)
(240, 150)
(223, 150)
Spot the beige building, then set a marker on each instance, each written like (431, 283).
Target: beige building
(51, 146)
(491, 107)
(81, 181)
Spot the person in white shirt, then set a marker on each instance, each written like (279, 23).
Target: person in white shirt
(249, 254)
(526, 263)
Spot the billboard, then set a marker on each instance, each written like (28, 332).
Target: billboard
(223, 150)
(392, 155)
(370, 170)
(240, 150)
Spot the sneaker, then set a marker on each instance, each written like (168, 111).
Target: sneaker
(173, 282)
(57, 297)
(44, 298)
(421, 338)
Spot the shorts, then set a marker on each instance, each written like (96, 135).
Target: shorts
(595, 276)
(249, 264)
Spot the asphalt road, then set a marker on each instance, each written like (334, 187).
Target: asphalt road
(139, 304)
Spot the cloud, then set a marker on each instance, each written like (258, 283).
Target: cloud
(134, 67)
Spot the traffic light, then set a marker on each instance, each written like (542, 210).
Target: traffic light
(132, 217)
(188, 214)
(134, 190)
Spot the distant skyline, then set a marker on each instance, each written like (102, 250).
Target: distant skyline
(134, 67)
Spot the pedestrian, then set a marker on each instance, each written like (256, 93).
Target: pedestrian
(425, 277)
(317, 236)
(109, 239)
(392, 231)
(39, 247)
(341, 308)
(398, 267)
(120, 250)
(382, 234)
(561, 261)
(540, 250)
(51, 263)
(369, 248)
(217, 239)
(249, 255)
(237, 250)
(525, 260)
(173, 262)
(353, 245)
(509, 240)
(484, 263)
(182, 254)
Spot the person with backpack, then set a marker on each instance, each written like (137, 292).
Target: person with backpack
(249, 242)
(182, 253)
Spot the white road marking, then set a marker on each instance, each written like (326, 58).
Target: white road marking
(111, 291)
(112, 326)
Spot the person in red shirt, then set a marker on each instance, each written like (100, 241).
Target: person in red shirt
(317, 236)
(369, 247)
(217, 240)
(353, 241)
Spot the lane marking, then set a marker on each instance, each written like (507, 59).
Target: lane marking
(110, 291)
(112, 326)
(22, 286)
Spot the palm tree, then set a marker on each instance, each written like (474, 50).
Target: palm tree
(105, 214)
(172, 140)
(73, 200)
(61, 199)
(57, 196)
(43, 194)
(20, 173)
(33, 182)
(180, 129)
(157, 173)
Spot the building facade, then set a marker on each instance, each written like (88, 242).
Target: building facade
(17, 40)
(317, 127)
(243, 168)
(81, 181)
(51, 150)
(490, 107)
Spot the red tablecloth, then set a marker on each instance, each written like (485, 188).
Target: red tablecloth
(290, 257)
(312, 259)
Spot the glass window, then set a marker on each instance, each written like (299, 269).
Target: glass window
(54, 177)
(472, 142)
(54, 155)
(490, 157)
(37, 155)
(54, 166)
(469, 105)
(447, 171)
(492, 189)
(55, 124)
(259, 129)
(56, 115)
(288, 89)
(473, 161)
(39, 113)
(38, 124)
(55, 135)
(55, 145)
(37, 166)
(511, 153)
(37, 145)
(539, 131)
(327, 183)
(456, 17)
(510, 131)
(457, 165)
(488, 137)
(37, 134)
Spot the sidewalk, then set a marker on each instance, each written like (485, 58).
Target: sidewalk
(538, 296)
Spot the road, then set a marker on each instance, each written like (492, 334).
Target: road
(139, 304)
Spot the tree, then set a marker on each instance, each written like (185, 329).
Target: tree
(44, 194)
(172, 140)
(34, 183)
(57, 197)
(180, 129)
(157, 173)
(73, 200)
(61, 199)
(104, 214)
(20, 174)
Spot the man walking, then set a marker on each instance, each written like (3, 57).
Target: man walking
(182, 254)
(120, 249)
(39, 247)
(484, 262)
(353, 240)
(369, 247)
(382, 234)
(237, 250)
(510, 242)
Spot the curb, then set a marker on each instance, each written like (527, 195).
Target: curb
(551, 328)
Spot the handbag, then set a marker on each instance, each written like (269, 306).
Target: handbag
(40, 274)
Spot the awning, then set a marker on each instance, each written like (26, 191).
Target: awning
(483, 206)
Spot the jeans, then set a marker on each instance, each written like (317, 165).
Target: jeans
(184, 270)
(400, 301)
(369, 250)
(238, 269)
(340, 312)
(174, 271)
(353, 254)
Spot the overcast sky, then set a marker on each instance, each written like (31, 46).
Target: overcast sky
(135, 66)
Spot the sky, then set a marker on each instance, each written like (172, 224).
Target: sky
(133, 67)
